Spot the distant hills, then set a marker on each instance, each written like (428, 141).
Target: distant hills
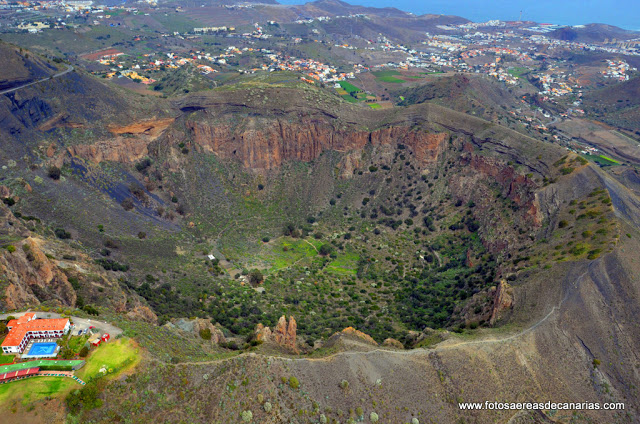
(593, 33)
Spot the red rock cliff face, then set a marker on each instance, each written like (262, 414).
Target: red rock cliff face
(520, 188)
(261, 145)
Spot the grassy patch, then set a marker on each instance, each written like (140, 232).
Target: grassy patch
(348, 87)
(33, 389)
(390, 80)
(349, 99)
(112, 356)
(374, 106)
(286, 251)
(602, 160)
(345, 264)
(382, 74)
(517, 72)
(6, 359)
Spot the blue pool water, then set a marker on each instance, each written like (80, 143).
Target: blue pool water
(39, 349)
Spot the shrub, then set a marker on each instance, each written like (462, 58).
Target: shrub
(62, 234)
(359, 411)
(255, 276)
(205, 333)
(91, 310)
(289, 229)
(54, 172)
(143, 165)
(260, 186)
(267, 407)
(11, 248)
(563, 223)
(344, 384)
(323, 419)
(265, 239)
(566, 171)
(294, 383)
(142, 235)
(415, 421)
(373, 417)
(247, 416)
(127, 204)
(326, 249)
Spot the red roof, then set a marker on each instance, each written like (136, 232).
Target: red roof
(20, 373)
(19, 330)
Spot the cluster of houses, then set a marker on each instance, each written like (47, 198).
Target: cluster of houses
(618, 69)
(28, 330)
(28, 327)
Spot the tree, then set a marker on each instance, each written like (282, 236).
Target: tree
(289, 229)
(256, 277)
(54, 172)
(127, 204)
(84, 352)
(326, 249)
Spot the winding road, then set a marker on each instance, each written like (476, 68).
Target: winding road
(59, 74)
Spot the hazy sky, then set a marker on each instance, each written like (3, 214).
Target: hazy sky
(622, 13)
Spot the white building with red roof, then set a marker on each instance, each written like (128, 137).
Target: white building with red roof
(28, 327)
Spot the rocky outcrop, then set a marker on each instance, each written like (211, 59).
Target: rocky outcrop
(118, 149)
(130, 143)
(263, 145)
(4, 192)
(142, 313)
(488, 306)
(200, 325)
(392, 343)
(503, 300)
(284, 334)
(519, 188)
(32, 277)
(352, 332)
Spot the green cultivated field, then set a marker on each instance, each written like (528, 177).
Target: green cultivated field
(602, 160)
(348, 87)
(388, 76)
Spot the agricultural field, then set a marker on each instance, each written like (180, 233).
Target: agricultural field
(388, 76)
(348, 87)
(518, 71)
(602, 160)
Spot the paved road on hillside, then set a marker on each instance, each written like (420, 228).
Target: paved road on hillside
(80, 323)
(59, 74)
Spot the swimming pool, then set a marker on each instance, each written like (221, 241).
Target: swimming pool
(42, 349)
